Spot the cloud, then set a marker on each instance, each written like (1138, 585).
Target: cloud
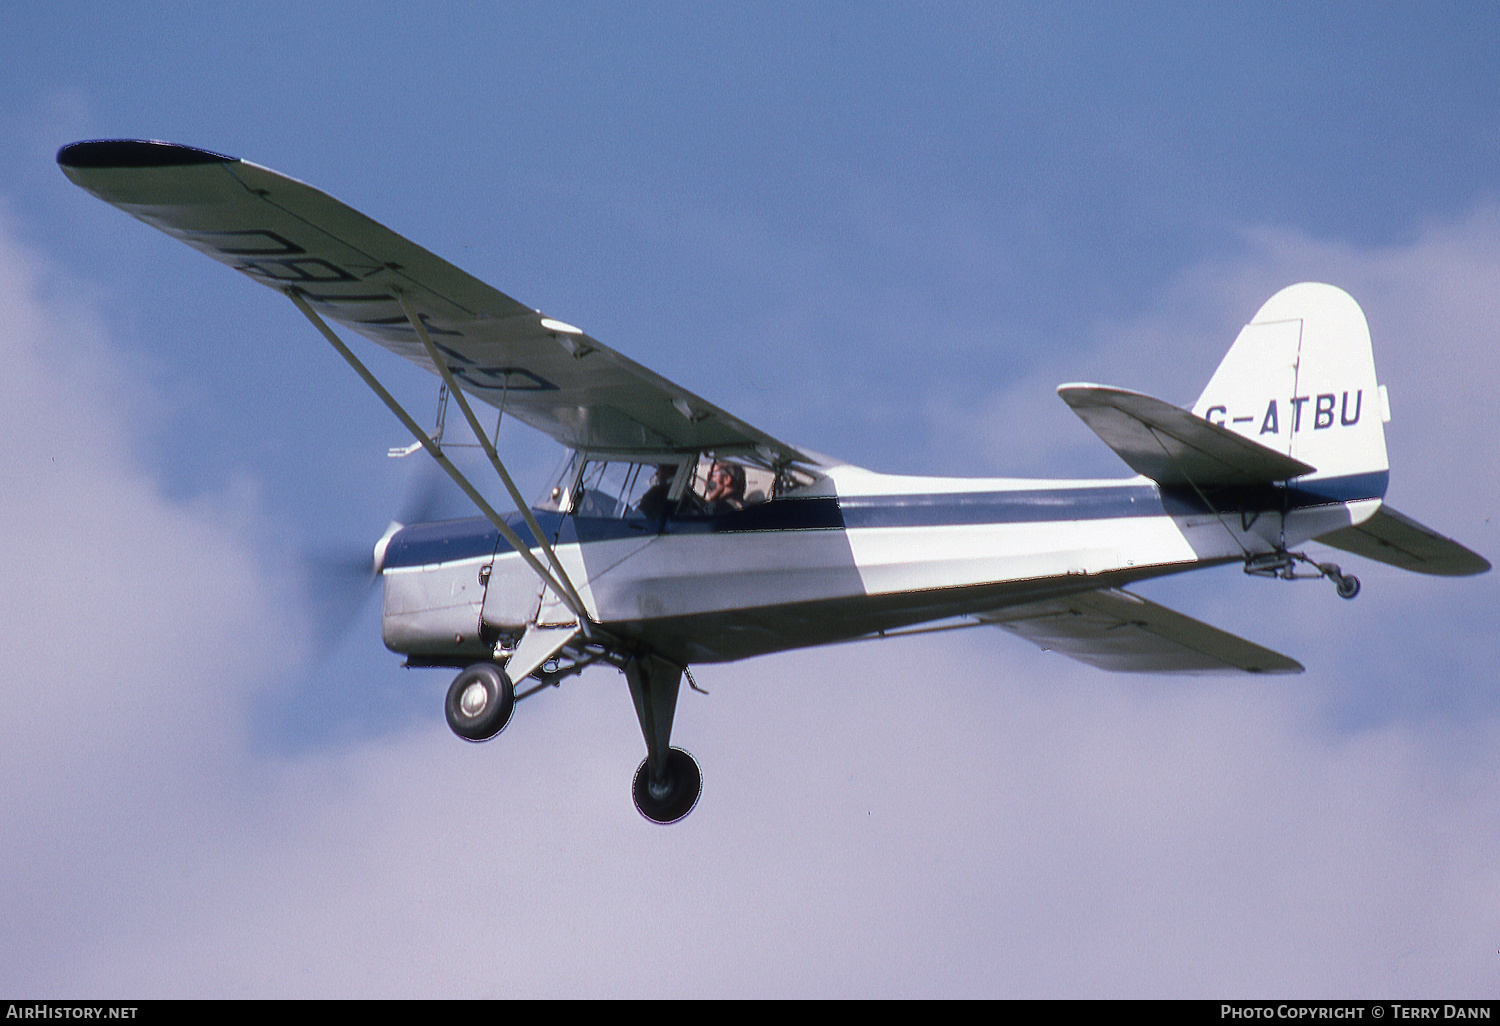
(138, 628)
(952, 815)
(1019, 828)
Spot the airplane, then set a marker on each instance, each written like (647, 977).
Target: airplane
(677, 534)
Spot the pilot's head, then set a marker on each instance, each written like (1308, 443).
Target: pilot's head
(727, 479)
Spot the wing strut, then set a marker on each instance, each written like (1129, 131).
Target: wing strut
(568, 597)
(489, 449)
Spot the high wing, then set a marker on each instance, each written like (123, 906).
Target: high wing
(1397, 539)
(287, 235)
(1118, 631)
(1172, 446)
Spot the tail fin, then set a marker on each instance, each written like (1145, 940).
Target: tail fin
(1300, 379)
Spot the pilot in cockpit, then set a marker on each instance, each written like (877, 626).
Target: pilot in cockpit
(653, 502)
(726, 488)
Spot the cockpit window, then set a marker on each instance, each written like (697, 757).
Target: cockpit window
(644, 489)
(726, 484)
(624, 490)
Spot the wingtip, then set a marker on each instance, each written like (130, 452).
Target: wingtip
(118, 153)
(1082, 391)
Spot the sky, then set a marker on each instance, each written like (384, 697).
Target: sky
(885, 232)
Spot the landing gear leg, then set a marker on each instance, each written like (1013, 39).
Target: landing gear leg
(668, 782)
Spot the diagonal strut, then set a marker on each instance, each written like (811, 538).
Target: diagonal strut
(568, 597)
(489, 449)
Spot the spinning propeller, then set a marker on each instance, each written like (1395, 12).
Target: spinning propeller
(341, 577)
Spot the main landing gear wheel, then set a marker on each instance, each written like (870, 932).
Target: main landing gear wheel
(670, 803)
(480, 702)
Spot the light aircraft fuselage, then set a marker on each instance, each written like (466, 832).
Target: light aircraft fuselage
(851, 555)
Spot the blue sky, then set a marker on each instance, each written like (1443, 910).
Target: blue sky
(882, 231)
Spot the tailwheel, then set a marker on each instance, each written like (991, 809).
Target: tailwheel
(671, 799)
(480, 702)
(1346, 585)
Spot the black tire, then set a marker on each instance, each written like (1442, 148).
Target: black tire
(685, 785)
(1347, 586)
(480, 702)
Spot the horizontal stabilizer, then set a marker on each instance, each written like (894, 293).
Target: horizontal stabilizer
(1172, 446)
(1124, 633)
(1390, 537)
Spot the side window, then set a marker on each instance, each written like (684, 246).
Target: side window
(602, 488)
(790, 482)
(723, 485)
(620, 490)
(628, 490)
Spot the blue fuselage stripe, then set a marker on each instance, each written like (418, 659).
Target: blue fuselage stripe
(450, 540)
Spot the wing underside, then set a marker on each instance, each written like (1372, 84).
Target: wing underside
(1118, 631)
(287, 235)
